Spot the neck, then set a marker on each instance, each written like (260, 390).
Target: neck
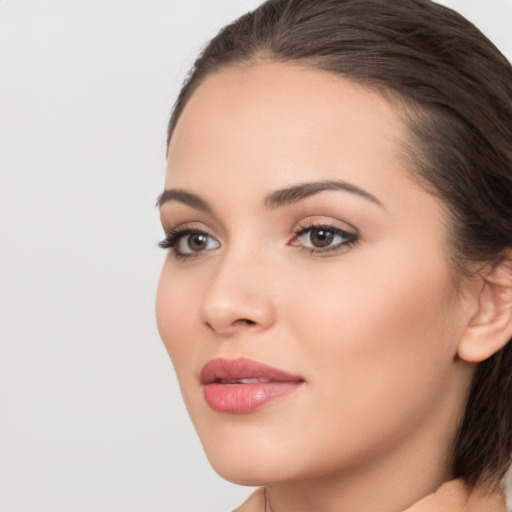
(455, 496)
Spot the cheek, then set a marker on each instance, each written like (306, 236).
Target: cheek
(371, 305)
(380, 341)
(175, 305)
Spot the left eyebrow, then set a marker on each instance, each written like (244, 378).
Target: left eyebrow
(299, 192)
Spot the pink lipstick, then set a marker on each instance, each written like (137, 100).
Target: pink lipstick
(240, 386)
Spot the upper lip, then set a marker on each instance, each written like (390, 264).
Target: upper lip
(229, 370)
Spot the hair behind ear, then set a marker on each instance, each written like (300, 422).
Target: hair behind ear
(484, 438)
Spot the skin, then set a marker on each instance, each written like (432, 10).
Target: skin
(373, 327)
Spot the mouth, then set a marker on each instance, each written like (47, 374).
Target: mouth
(238, 386)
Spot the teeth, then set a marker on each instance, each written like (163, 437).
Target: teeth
(252, 381)
(245, 381)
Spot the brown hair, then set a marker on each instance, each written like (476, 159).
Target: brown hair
(456, 88)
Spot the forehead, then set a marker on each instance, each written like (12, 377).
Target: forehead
(280, 122)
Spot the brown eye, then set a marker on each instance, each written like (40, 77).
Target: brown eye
(195, 242)
(321, 237)
(187, 242)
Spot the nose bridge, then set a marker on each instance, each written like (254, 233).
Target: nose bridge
(239, 295)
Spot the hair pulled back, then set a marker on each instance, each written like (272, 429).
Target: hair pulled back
(455, 90)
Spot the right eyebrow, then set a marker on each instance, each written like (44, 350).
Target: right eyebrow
(184, 197)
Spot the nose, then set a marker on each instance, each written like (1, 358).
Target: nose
(238, 298)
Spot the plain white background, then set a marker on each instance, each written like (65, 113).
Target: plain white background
(91, 418)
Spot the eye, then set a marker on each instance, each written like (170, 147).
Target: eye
(321, 239)
(196, 242)
(186, 242)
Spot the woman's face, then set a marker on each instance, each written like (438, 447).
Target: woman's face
(299, 242)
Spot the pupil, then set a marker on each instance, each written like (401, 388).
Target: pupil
(197, 242)
(321, 237)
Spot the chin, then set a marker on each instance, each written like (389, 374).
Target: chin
(242, 476)
(251, 465)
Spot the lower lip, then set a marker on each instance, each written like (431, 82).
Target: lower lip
(243, 398)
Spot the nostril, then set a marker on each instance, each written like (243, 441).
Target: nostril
(240, 322)
(245, 321)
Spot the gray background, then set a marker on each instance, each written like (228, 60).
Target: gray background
(91, 419)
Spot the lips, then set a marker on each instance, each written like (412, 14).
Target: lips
(240, 386)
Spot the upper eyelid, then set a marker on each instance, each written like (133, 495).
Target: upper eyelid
(307, 222)
(331, 223)
(175, 214)
(183, 226)
(327, 227)
(188, 226)
(200, 222)
(186, 230)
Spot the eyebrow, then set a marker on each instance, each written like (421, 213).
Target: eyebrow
(299, 192)
(183, 197)
(277, 199)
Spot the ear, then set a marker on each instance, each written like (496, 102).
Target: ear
(490, 329)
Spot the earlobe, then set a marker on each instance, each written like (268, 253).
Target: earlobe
(490, 329)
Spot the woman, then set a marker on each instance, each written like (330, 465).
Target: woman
(337, 295)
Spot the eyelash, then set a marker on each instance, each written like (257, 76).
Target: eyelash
(174, 237)
(348, 239)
